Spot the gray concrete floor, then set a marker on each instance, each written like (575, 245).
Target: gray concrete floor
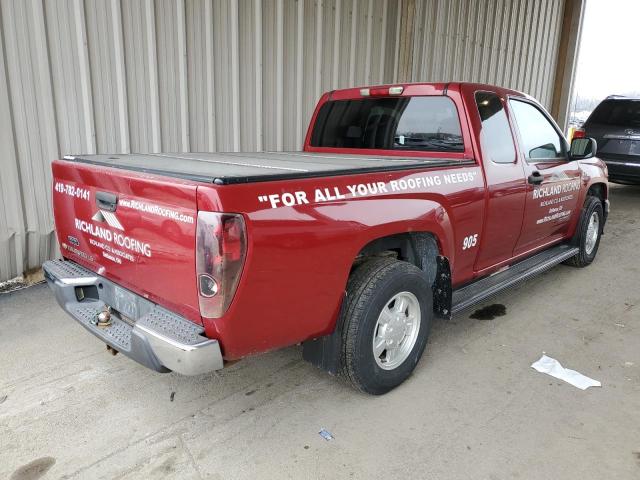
(473, 409)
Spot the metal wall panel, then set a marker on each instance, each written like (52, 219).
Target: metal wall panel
(34, 128)
(12, 227)
(102, 76)
(510, 43)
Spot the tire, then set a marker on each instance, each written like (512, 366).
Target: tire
(586, 239)
(372, 288)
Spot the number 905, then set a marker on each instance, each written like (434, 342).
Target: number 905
(470, 241)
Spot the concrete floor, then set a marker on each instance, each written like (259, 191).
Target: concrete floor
(473, 409)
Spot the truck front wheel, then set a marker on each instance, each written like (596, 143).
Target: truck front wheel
(588, 233)
(387, 317)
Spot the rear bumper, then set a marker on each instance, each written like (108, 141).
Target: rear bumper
(156, 338)
(623, 171)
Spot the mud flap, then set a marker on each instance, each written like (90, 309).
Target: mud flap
(324, 352)
(442, 292)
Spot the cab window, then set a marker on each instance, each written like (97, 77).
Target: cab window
(496, 140)
(540, 140)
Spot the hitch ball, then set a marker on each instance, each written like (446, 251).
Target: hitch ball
(104, 318)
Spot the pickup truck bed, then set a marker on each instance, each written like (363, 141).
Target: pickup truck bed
(230, 168)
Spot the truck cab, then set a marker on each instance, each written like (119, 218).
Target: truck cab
(522, 154)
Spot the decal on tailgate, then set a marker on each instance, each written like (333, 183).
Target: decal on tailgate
(109, 218)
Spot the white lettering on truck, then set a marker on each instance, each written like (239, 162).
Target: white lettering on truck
(158, 210)
(552, 190)
(334, 193)
(94, 230)
(119, 239)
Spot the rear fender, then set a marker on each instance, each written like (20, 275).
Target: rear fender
(409, 217)
(425, 249)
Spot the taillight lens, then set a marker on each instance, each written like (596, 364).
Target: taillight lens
(221, 247)
(578, 133)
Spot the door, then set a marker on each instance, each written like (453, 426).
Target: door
(553, 181)
(506, 187)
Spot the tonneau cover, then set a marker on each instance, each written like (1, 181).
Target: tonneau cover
(229, 168)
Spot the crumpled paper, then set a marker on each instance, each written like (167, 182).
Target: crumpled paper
(552, 367)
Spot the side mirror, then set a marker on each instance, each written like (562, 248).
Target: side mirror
(583, 148)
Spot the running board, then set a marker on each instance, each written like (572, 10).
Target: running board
(487, 287)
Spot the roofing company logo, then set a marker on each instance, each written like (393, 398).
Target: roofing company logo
(558, 176)
(109, 218)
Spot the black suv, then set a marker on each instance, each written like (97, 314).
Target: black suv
(615, 124)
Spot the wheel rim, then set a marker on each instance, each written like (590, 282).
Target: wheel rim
(593, 230)
(396, 331)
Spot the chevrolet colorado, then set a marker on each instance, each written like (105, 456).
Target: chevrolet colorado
(407, 202)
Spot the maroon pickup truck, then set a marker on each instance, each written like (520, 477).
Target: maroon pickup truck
(407, 202)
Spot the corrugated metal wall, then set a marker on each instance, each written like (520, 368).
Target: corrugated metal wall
(191, 75)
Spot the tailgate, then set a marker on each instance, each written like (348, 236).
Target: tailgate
(615, 144)
(135, 229)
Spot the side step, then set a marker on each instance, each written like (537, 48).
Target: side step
(487, 287)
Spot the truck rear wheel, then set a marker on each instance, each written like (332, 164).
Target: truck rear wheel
(588, 233)
(387, 317)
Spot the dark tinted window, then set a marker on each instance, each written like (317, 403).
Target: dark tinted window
(495, 136)
(540, 140)
(391, 123)
(624, 113)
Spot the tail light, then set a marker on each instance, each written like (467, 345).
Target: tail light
(578, 133)
(221, 247)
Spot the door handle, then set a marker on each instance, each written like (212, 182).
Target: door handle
(535, 178)
(106, 201)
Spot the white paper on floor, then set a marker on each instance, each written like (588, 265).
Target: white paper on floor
(552, 367)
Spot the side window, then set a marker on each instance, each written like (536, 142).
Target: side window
(495, 137)
(540, 140)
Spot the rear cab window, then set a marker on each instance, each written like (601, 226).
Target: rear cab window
(411, 124)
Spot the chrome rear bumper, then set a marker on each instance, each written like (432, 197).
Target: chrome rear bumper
(156, 338)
